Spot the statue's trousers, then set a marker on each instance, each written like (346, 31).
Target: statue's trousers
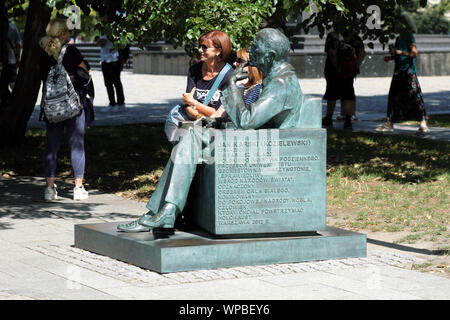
(174, 184)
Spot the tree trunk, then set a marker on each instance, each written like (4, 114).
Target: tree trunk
(3, 51)
(17, 109)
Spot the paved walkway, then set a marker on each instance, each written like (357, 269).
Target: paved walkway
(38, 260)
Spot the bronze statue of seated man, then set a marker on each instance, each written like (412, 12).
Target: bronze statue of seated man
(281, 104)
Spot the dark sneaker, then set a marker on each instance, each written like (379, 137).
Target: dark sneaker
(348, 123)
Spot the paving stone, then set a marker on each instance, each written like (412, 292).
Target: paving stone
(136, 275)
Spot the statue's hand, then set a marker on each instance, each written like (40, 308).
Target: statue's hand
(240, 73)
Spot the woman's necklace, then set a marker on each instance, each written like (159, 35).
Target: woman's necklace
(208, 74)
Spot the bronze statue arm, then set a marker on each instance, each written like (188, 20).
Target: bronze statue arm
(233, 95)
(270, 103)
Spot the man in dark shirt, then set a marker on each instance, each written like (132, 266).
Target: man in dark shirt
(340, 85)
(348, 108)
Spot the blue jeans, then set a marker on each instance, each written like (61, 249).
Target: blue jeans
(75, 137)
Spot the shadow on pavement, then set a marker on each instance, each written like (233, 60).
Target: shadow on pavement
(408, 248)
(22, 198)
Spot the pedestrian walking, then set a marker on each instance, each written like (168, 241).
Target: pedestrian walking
(405, 100)
(344, 57)
(332, 77)
(111, 69)
(56, 51)
(357, 55)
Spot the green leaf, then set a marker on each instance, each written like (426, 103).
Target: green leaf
(60, 4)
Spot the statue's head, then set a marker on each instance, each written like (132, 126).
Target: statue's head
(269, 46)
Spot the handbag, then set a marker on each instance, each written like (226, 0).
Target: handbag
(178, 113)
(81, 79)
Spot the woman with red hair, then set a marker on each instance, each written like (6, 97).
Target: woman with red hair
(214, 48)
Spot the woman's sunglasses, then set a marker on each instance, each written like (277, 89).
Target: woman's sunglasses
(204, 48)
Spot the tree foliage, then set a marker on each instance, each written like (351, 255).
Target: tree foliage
(431, 19)
(372, 20)
(180, 23)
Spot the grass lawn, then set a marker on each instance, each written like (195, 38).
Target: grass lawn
(435, 120)
(375, 183)
(439, 120)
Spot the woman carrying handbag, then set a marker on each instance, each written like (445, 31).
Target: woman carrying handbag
(206, 81)
(202, 98)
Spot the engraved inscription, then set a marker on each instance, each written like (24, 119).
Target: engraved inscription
(248, 193)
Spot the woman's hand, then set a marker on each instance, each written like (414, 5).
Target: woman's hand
(411, 53)
(192, 113)
(392, 50)
(188, 97)
(84, 66)
(220, 113)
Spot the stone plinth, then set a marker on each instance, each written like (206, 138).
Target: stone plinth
(198, 250)
(262, 181)
(259, 197)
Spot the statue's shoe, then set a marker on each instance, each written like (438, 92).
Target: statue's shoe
(164, 218)
(133, 226)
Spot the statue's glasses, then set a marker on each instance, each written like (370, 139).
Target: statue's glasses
(240, 60)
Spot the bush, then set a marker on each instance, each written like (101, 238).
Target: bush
(432, 19)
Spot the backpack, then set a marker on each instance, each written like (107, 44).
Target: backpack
(347, 60)
(60, 101)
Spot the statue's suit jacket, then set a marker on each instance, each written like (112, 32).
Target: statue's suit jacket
(281, 104)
